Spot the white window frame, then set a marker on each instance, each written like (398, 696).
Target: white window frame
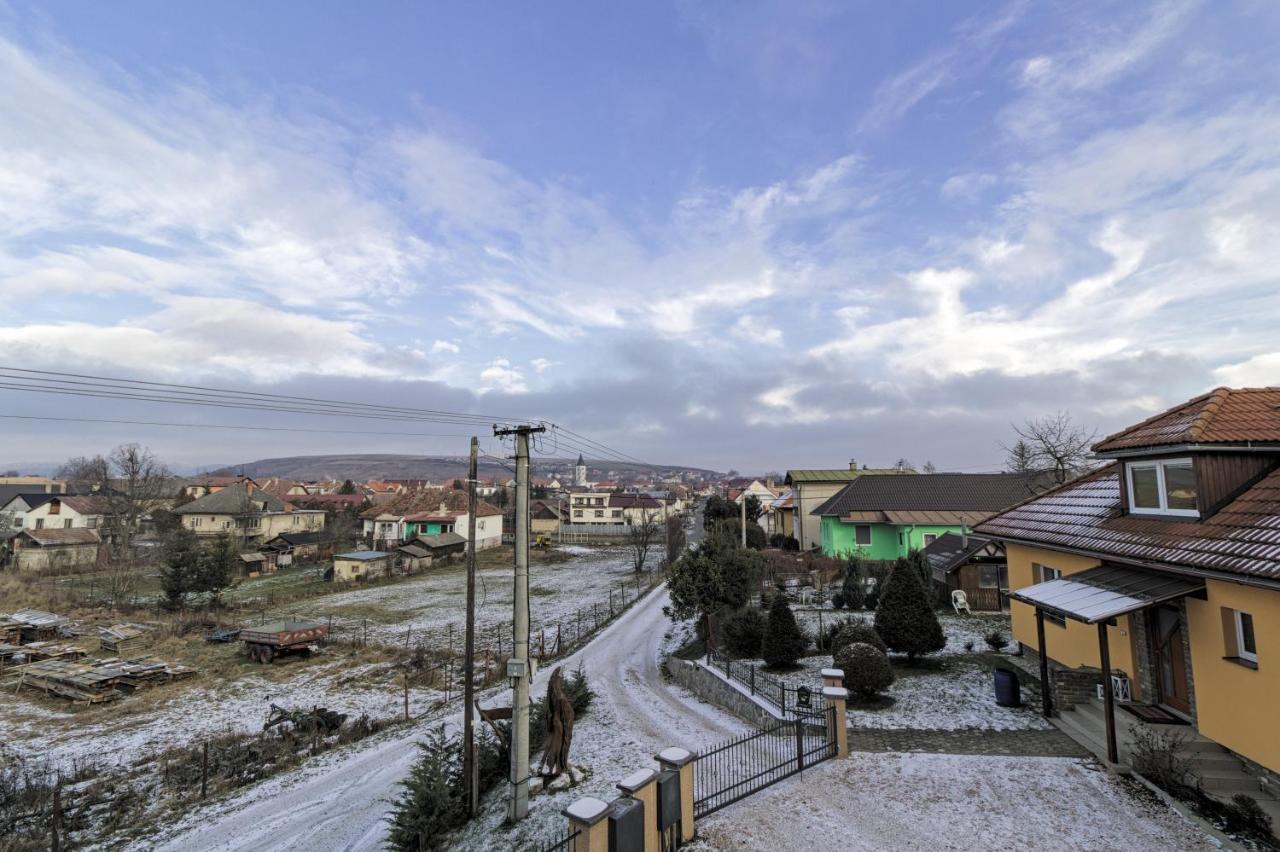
(929, 538)
(1161, 493)
(857, 543)
(1251, 656)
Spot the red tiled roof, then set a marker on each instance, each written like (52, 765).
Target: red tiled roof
(1085, 515)
(1222, 416)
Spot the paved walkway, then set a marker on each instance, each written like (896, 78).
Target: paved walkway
(1050, 743)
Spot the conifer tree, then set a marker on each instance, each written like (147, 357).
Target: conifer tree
(904, 618)
(784, 642)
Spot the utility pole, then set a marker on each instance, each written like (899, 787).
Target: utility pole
(742, 501)
(470, 766)
(518, 666)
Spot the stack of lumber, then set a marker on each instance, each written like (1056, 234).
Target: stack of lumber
(124, 640)
(34, 651)
(95, 681)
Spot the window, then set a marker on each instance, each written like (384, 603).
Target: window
(1246, 642)
(577, 513)
(929, 538)
(599, 513)
(862, 535)
(902, 539)
(1162, 487)
(196, 520)
(66, 525)
(17, 522)
(988, 576)
(1043, 574)
(91, 522)
(617, 513)
(39, 523)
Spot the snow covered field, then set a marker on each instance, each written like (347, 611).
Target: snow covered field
(426, 605)
(934, 801)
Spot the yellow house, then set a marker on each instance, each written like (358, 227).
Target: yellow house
(1156, 579)
(247, 514)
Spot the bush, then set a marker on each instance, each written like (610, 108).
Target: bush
(904, 619)
(866, 669)
(872, 600)
(791, 544)
(857, 631)
(1158, 756)
(744, 633)
(854, 587)
(996, 640)
(784, 641)
(1246, 815)
(837, 600)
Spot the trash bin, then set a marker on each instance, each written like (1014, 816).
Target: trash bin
(1008, 690)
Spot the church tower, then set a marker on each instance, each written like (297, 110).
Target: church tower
(580, 472)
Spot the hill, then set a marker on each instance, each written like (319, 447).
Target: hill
(360, 467)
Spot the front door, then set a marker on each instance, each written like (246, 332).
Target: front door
(1171, 660)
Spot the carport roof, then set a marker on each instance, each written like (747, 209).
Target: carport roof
(1103, 593)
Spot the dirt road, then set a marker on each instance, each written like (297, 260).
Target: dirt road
(340, 801)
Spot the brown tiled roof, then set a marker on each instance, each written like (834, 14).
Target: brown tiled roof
(931, 492)
(52, 537)
(86, 504)
(427, 503)
(1222, 416)
(1085, 515)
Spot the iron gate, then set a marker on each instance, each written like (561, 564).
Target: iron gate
(746, 764)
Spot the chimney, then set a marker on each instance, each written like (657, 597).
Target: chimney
(853, 464)
(964, 541)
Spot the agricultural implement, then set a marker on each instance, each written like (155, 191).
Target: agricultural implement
(268, 641)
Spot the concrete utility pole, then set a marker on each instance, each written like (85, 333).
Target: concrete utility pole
(518, 666)
(470, 766)
(742, 501)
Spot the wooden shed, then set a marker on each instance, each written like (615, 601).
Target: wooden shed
(975, 564)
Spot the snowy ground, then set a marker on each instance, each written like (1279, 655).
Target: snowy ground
(340, 801)
(933, 801)
(960, 630)
(427, 605)
(50, 730)
(956, 696)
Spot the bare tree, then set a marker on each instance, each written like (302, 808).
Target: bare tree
(903, 465)
(130, 481)
(1018, 457)
(1052, 443)
(642, 534)
(929, 467)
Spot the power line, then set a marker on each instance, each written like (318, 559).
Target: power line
(228, 426)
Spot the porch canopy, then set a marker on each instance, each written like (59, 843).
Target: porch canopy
(1098, 595)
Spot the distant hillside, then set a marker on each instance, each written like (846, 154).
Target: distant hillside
(439, 468)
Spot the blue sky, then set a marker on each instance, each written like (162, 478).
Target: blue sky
(731, 234)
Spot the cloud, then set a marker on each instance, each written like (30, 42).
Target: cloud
(440, 347)
(501, 376)
(541, 365)
(968, 186)
(1260, 371)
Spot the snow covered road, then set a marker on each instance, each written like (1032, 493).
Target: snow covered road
(339, 801)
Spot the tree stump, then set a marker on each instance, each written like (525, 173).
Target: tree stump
(555, 756)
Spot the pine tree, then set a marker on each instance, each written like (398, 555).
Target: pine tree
(904, 618)
(852, 589)
(348, 487)
(430, 805)
(216, 565)
(179, 566)
(784, 642)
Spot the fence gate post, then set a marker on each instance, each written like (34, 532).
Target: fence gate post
(837, 698)
(681, 761)
(642, 785)
(587, 818)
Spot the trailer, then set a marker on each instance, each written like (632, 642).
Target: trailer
(268, 641)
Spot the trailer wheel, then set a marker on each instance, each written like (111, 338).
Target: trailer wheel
(267, 654)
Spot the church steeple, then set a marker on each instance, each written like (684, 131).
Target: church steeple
(580, 471)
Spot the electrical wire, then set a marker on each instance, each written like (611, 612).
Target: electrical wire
(230, 426)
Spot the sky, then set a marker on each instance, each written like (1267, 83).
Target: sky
(733, 235)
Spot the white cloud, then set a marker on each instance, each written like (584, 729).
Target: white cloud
(541, 365)
(1260, 371)
(440, 347)
(967, 187)
(756, 331)
(499, 375)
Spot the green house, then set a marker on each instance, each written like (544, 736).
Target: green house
(885, 517)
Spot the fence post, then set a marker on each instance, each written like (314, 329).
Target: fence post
(587, 818)
(837, 698)
(753, 680)
(782, 688)
(681, 761)
(642, 785)
(832, 677)
(799, 743)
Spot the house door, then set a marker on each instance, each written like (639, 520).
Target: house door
(1171, 661)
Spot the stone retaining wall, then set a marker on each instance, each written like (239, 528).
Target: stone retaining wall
(711, 688)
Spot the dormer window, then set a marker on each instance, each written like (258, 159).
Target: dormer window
(1163, 487)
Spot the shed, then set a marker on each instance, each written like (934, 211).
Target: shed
(252, 564)
(975, 564)
(360, 564)
(300, 547)
(442, 546)
(55, 549)
(412, 557)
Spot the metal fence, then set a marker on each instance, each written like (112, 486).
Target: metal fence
(748, 763)
(564, 841)
(796, 701)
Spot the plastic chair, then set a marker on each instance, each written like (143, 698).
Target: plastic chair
(959, 601)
